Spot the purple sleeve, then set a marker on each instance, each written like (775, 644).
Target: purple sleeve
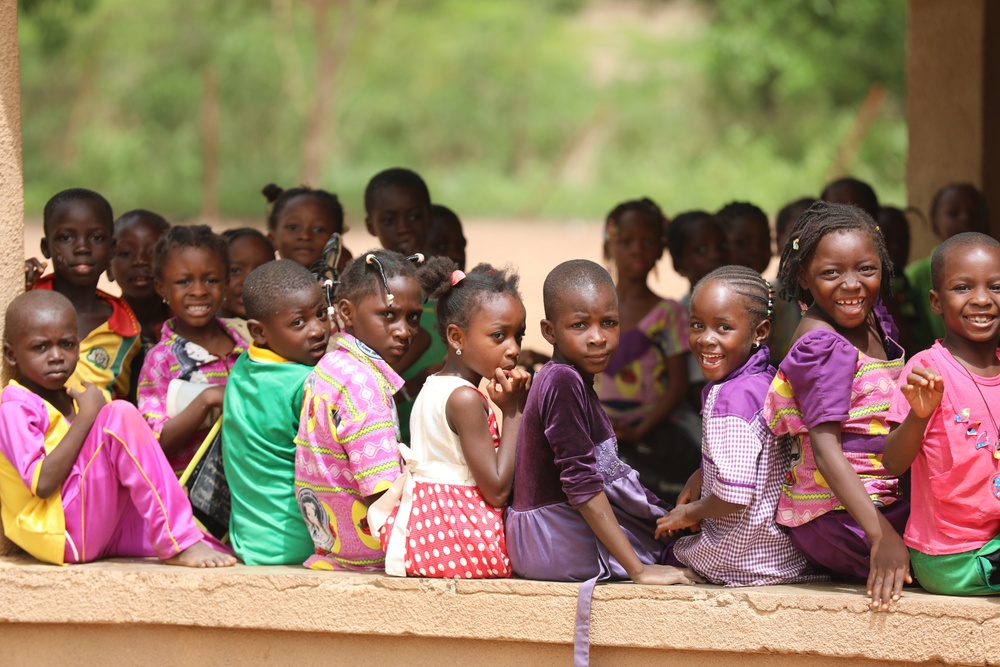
(820, 367)
(564, 414)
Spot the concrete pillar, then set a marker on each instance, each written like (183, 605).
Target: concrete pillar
(952, 104)
(11, 176)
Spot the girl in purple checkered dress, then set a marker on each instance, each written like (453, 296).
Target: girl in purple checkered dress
(734, 495)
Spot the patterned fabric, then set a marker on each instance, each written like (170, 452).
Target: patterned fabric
(826, 379)
(346, 450)
(176, 358)
(955, 497)
(636, 378)
(107, 352)
(743, 463)
(434, 522)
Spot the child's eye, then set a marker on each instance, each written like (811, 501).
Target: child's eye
(291, 226)
(123, 254)
(696, 326)
(235, 271)
(388, 314)
(579, 325)
(98, 238)
(69, 344)
(609, 323)
(725, 327)
(320, 229)
(298, 322)
(63, 237)
(498, 335)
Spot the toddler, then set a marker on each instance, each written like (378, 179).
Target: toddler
(832, 393)
(184, 375)
(347, 446)
(289, 325)
(743, 463)
(943, 425)
(443, 516)
(79, 239)
(82, 479)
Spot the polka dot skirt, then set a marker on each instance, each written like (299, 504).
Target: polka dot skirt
(453, 534)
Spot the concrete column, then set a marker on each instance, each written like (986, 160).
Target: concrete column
(11, 175)
(952, 104)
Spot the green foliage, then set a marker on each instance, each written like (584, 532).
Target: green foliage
(520, 106)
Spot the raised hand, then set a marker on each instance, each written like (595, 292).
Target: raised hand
(89, 401)
(509, 392)
(923, 390)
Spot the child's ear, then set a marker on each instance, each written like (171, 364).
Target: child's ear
(159, 287)
(935, 302)
(8, 355)
(270, 238)
(761, 333)
(548, 332)
(346, 310)
(803, 283)
(45, 247)
(370, 226)
(454, 337)
(257, 332)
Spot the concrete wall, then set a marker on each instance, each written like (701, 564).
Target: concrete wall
(952, 103)
(126, 612)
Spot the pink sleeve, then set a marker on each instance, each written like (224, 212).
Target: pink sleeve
(22, 436)
(152, 393)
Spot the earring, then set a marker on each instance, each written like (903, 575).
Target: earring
(458, 352)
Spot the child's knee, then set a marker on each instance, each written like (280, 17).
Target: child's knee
(123, 413)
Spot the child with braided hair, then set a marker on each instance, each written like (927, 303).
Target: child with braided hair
(734, 495)
(832, 393)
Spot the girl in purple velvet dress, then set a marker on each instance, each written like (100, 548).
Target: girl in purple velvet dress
(644, 386)
(578, 512)
(832, 394)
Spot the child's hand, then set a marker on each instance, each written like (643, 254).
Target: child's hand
(890, 567)
(666, 575)
(89, 401)
(33, 270)
(923, 390)
(679, 518)
(691, 490)
(213, 396)
(509, 392)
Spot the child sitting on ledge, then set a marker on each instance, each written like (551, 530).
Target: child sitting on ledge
(82, 479)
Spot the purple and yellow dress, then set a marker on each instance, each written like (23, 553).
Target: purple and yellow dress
(824, 378)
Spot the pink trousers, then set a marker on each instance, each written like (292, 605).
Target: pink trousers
(121, 497)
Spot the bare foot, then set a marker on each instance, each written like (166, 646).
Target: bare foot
(201, 554)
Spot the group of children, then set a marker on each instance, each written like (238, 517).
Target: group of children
(311, 362)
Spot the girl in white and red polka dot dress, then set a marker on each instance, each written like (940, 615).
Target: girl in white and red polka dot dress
(444, 515)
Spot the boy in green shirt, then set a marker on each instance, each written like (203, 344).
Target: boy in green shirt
(288, 320)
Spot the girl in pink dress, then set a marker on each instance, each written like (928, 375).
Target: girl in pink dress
(444, 515)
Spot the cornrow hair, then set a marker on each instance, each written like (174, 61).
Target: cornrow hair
(971, 189)
(188, 236)
(154, 219)
(395, 177)
(644, 205)
(820, 219)
(756, 292)
(78, 194)
(278, 198)
(247, 232)
(370, 273)
(735, 210)
(459, 295)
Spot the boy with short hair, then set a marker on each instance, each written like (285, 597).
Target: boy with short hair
(79, 240)
(288, 320)
(82, 479)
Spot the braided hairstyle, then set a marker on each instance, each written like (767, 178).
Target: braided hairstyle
(188, 236)
(756, 292)
(278, 198)
(820, 219)
(370, 273)
(459, 295)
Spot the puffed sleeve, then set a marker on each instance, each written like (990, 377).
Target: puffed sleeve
(820, 368)
(564, 413)
(23, 423)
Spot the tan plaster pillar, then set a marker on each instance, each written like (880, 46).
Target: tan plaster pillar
(952, 103)
(11, 176)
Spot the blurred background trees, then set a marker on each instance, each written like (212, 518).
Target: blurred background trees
(551, 108)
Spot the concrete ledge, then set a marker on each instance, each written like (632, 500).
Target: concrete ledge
(197, 615)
